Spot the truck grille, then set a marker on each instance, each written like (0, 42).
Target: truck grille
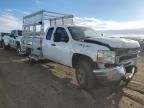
(127, 57)
(126, 54)
(120, 52)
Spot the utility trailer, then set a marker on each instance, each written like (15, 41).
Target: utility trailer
(79, 47)
(35, 25)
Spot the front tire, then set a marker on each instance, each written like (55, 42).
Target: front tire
(84, 74)
(18, 50)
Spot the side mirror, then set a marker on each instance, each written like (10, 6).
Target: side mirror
(102, 34)
(57, 37)
(13, 36)
(64, 39)
(40, 22)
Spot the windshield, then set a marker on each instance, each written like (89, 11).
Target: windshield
(4, 34)
(81, 33)
(19, 33)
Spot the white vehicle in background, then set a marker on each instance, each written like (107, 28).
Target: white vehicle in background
(91, 55)
(139, 39)
(13, 40)
(2, 34)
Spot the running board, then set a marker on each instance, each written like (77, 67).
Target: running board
(34, 57)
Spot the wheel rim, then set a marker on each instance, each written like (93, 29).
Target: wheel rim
(18, 50)
(80, 76)
(130, 75)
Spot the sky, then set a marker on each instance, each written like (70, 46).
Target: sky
(99, 14)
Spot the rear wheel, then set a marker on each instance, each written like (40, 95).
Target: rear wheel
(84, 74)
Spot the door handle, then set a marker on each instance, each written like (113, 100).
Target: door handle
(53, 44)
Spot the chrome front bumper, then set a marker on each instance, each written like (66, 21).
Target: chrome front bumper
(115, 73)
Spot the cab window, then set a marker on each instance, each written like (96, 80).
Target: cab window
(63, 34)
(49, 34)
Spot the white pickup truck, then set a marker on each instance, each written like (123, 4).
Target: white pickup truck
(88, 53)
(13, 40)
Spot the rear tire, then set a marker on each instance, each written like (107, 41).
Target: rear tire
(84, 74)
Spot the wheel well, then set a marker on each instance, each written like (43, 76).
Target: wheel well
(76, 57)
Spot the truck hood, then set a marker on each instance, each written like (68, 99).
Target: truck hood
(19, 38)
(114, 42)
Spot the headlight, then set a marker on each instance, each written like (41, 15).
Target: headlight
(100, 56)
(105, 56)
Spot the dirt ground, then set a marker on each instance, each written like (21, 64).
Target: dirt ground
(50, 85)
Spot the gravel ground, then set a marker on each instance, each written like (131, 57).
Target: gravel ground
(50, 85)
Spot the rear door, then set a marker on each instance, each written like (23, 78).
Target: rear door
(46, 44)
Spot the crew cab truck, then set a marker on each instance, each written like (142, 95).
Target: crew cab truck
(88, 53)
(13, 40)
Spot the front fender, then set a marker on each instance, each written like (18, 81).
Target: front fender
(87, 49)
(19, 40)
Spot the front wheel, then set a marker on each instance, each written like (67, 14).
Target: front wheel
(18, 50)
(84, 74)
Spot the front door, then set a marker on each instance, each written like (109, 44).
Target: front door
(59, 51)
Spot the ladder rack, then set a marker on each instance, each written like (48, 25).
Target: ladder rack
(34, 24)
